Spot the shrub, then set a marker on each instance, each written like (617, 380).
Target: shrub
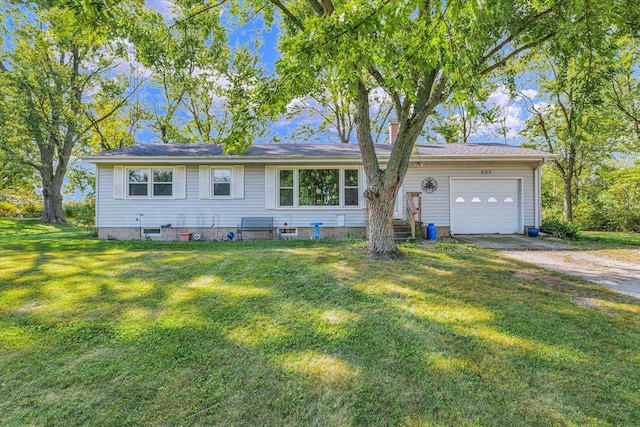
(86, 216)
(608, 218)
(31, 210)
(561, 229)
(8, 209)
(632, 222)
(71, 209)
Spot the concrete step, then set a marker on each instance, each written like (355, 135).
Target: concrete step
(402, 236)
(401, 230)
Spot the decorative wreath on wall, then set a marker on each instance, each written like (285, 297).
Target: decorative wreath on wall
(429, 185)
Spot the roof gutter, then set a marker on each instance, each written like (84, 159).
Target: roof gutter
(292, 160)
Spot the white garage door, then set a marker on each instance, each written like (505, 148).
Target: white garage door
(485, 206)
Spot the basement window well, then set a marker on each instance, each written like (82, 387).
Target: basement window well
(287, 232)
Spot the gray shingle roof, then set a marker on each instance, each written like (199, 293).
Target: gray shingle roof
(270, 151)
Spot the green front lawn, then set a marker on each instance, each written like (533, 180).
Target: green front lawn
(29, 229)
(305, 333)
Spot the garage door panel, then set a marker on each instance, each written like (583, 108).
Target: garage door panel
(508, 186)
(486, 206)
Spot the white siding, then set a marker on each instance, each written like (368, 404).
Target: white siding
(436, 206)
(258, 194)
(156, 212)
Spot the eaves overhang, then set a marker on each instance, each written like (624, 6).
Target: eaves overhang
(97, 159)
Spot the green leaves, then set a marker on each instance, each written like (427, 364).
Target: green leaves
(60, 83)
(206, 89)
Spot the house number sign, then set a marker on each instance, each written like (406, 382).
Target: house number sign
(429, 185)
(485, 172)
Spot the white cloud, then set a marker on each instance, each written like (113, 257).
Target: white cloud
(510, 114)
(500, 97)
(298, 104)
(300, 112)
(161, 6)
(541, 106)
(530, 93)
(215, 83)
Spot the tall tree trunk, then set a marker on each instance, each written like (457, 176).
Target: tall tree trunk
(379, 194)
(383, 184)
(568, 198)
(55, 154)
(52, 196)
(568, 183)
(382, 242)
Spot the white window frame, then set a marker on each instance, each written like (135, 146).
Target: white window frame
(212, 178)
(295, 192)
(148, 231)
(287, 231)
(344, 186)
(128, 183)
(173, 182)
(341, 189)
(150, 182)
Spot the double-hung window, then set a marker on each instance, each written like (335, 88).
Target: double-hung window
(286, 189)
(162, 182)
(150, 182)
(138, 182)
(351, 187)
(221, 183)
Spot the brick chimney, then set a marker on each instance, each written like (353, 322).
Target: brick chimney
(393, 131)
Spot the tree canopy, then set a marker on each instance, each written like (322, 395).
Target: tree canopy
(421, 53)
(54, 73)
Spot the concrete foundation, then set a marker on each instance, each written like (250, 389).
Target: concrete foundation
(208, 234)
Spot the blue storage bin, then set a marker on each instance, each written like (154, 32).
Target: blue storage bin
(431, 232)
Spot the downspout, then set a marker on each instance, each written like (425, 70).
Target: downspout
(96, 195)
(537, 200)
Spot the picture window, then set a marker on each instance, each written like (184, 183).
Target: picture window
(318, 187)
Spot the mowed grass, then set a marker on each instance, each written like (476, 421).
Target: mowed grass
(305, 333)
(29, 229)
(615, 245)
(609, 237)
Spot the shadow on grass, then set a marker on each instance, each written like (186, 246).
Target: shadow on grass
(305, 333)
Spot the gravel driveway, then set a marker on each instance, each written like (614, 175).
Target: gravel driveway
(592, 265)
(623, 277)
